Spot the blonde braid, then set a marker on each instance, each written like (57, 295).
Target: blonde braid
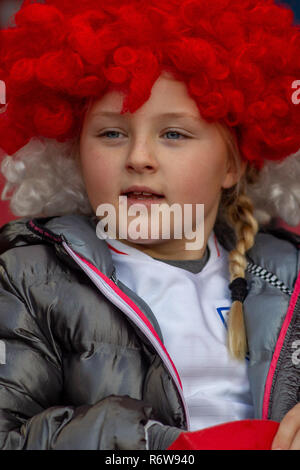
(237, 210)
(240, 216)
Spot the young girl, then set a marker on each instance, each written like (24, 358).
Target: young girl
(135, 342)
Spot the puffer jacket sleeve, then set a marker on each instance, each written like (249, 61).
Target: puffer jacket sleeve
(31, 385)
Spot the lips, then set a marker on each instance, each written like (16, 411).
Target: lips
(142, 192)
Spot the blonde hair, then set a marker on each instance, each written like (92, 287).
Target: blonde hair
(237, 209)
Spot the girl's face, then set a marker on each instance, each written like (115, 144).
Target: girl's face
(166, 146)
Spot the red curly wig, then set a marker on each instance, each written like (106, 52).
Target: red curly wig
(238, 59)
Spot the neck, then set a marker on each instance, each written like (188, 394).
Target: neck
(176, 249)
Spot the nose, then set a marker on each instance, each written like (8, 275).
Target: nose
(141, 158)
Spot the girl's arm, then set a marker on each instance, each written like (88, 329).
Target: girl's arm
(31, 388)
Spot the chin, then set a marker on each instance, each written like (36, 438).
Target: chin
(146, 241)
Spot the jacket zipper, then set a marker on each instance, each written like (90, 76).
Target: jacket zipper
(278, 347)
(131, 314)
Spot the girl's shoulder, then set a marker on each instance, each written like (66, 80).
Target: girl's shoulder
(38, 245)
(269, 241)
(277, 244)
(277, 252)
(283, 234)
(16, 238)
(24, 256)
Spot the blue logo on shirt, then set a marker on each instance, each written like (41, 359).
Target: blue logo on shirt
(222, 314)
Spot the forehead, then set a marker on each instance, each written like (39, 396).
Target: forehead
(167, 95)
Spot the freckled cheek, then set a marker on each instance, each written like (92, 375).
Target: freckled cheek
(196, 187)
(101, 178)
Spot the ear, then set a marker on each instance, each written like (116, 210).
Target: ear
(233, 173)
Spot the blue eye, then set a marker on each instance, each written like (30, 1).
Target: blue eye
(174, 132)
(105, 134)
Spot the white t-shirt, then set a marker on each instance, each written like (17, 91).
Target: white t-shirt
(191, 310)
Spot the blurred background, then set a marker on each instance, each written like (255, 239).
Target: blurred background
(9, 7)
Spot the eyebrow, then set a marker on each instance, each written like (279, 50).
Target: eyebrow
(178, 115)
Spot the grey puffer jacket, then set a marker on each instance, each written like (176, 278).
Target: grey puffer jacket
(85, 366)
